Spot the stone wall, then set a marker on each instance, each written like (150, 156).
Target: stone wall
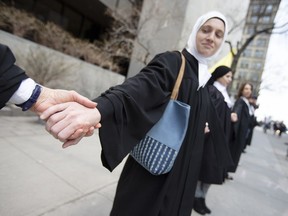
(85, 78)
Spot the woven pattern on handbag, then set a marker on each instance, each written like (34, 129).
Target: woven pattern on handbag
(154, 155)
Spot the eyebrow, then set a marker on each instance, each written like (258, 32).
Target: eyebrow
(210, 26)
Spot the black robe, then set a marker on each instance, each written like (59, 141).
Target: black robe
(128, 111)
(216, 155)
(239, 132)
(11, 75)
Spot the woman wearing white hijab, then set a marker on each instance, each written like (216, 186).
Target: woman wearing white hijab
(129, 110)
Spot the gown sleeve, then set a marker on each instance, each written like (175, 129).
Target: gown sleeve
(11, 75)
(129, 110)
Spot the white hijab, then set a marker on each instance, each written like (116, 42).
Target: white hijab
(203, 73)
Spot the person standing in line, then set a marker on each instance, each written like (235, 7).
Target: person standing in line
(240, 128)
(129, 110)
(211, 171)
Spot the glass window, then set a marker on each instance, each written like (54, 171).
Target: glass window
(261, 42)
(259, 54)
(72, 21)
(250, 30)
(269, 8)
(255, 8)
(254, 77)
(254, 19)
(247, 53)
(244, 64)
(240, 75)
(257, 65)
(266, 19)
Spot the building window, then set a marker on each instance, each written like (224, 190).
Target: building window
(255, 9)
(265, 19)
(247, 53)
(244, 64)
(72, 21)
(250, 30)
(256, 66)
(269, 8)
(259, 54)
(254, 77)
(261, 42)
(254, 19)
(240, 75)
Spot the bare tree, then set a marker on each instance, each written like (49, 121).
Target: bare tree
(45, 68)
(258, 30)
(119, 40)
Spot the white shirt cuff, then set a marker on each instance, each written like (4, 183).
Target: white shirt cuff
(24, 92)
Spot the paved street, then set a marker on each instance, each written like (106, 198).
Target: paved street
(38, 177)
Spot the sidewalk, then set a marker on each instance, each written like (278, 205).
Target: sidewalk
(38, 177)
(260, 185)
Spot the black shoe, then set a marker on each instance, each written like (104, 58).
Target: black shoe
(198, 206)
(207, 210)
(228, 177)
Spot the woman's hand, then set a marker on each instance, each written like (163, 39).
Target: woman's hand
(234, 117)
(70, 122)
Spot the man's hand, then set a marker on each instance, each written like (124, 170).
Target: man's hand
(50, 97)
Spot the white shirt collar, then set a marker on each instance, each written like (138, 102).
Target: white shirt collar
(251, 111)
(224, 92)
(203, 75)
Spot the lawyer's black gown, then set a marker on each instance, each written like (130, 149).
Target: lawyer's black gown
(128, 111)
(239, 132)
(216, 155)
(11, 75)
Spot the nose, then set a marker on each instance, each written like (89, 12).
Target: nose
(210, 36)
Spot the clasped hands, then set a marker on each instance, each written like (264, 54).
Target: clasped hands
(68, 115)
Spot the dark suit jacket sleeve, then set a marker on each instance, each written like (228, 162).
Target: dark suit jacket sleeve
(11, 75)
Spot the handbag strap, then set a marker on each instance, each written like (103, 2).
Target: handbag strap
(175, 91)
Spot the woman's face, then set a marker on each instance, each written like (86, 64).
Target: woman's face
(247, 91)
(226, 79)
(209, 37)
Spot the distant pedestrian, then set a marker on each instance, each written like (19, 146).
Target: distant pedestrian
(266, 124)
(282, 128)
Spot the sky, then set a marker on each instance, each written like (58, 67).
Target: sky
(273, 96)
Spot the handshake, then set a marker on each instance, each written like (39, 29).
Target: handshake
(69, 116)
